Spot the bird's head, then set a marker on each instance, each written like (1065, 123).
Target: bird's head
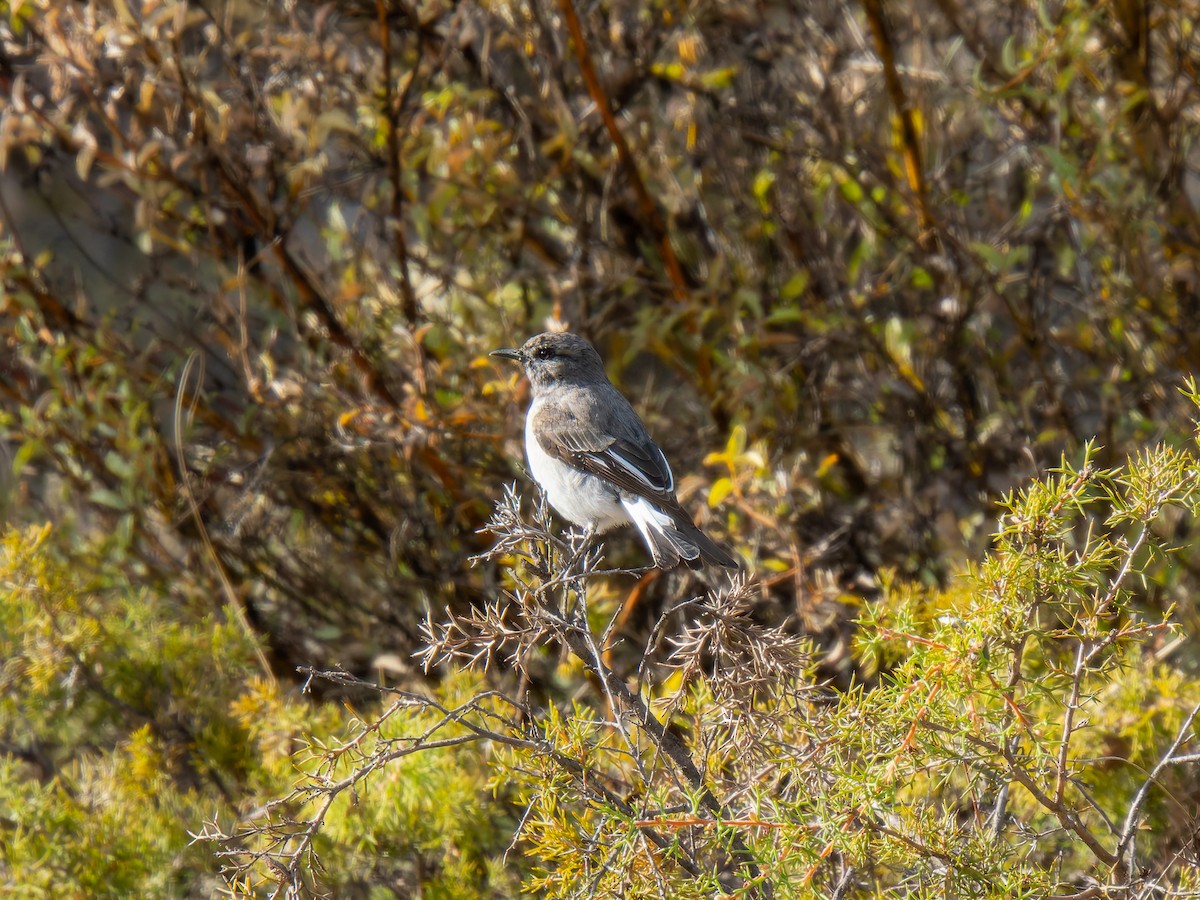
(557, 357)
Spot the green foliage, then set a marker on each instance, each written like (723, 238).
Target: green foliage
(1028, 733)
(129, 720)
(863, 268)
(1029, 703)
(115, 721)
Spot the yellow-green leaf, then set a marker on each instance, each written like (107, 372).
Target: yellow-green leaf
(721, 489)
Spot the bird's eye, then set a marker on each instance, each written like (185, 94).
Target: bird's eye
(544, 353)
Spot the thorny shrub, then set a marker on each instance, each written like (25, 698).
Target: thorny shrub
(1027, 733)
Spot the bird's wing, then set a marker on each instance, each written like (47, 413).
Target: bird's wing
(633, 463)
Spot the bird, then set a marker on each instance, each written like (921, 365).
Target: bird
(591, 454)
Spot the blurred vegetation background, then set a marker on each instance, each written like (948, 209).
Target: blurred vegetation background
(863, 267)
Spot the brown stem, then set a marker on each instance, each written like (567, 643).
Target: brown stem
(649, 208)
(391, 109)
(914, 169)
(662, 738)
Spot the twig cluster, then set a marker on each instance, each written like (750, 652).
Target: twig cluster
(722, 768)
(546, 604)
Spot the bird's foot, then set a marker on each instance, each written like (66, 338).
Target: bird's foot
(580, 543)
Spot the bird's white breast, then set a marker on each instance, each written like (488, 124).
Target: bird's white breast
(579, 497)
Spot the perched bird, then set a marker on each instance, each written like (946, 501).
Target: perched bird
(591, 454)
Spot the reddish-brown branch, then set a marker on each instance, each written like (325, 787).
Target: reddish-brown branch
(712, 823)
(646, 203)
(391, 110)
(914, 168)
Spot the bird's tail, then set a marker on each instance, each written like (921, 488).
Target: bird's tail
(673, 538)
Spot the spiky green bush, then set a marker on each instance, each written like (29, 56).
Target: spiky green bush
(131, 723)
(1027, 732)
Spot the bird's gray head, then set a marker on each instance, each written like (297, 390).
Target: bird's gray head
(557, 358)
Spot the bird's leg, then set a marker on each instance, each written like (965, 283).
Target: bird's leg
(575, 578)
(580, 543)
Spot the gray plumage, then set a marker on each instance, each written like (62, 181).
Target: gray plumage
(591, 454)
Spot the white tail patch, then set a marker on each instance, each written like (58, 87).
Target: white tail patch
(659, 531)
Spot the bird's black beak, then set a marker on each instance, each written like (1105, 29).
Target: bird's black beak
(514, 355)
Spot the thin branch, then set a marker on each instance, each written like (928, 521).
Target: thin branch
(647, 204)
(664, 740)
(232, 599)
(392, 107)
(586, 779)
(1126, 844)
(914, 168)
(1065, 815)
(1068, 725)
